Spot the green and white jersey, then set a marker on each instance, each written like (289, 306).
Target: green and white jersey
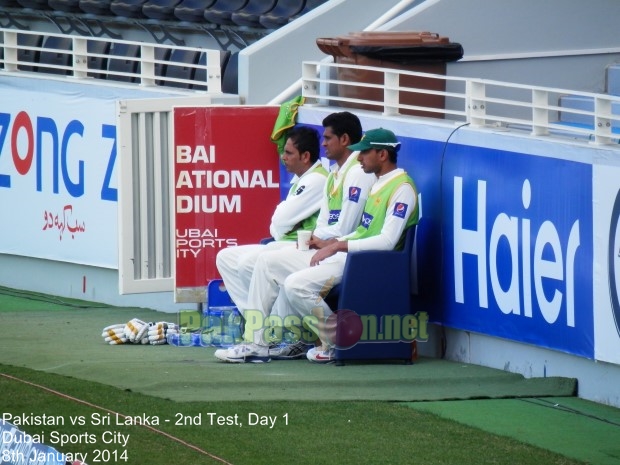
(391, 208)
(346, 192)
(301, 207)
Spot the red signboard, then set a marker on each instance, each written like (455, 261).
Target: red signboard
(226, 180)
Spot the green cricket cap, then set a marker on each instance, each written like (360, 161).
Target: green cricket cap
(377, 139)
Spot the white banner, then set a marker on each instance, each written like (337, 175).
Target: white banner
(58, 175)
(606, 206)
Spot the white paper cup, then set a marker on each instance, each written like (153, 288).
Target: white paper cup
(302, 239)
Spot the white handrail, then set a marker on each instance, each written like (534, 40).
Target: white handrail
(16, 57)
(479, 102)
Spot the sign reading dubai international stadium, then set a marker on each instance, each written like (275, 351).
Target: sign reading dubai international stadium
(519, 254)
(226, 187)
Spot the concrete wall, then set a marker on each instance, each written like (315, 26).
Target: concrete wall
(272, 64)
(554, 43)
(82, 282)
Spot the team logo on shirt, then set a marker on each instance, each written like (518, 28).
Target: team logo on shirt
(299, 190)
(366, 220)
(354, 194)
(333, 216)
(400, 209)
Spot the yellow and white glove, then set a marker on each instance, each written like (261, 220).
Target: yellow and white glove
(135, 330)
(114, 334)
(159, 331)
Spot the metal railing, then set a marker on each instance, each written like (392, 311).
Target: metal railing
(93, 58)
(479, 102)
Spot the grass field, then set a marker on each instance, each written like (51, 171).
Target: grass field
(304, 432)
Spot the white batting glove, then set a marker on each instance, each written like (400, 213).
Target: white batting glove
(159, 331)
(135, 330)
(114, 334)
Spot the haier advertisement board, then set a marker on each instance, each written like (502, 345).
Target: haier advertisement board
(518, 241)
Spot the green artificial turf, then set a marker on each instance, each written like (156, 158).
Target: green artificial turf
(15, 300)
(568, 425)
(68, 341)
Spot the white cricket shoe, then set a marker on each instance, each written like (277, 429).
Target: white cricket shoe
(244, 353)
(321, 355)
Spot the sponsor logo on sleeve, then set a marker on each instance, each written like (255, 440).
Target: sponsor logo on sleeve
(354, 194)
(333, 216)
(366, 220)
(400, 209)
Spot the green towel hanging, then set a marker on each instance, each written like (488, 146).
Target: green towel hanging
(285, 120)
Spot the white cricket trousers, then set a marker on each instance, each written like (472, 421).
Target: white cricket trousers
(236, 265)
(304, 286)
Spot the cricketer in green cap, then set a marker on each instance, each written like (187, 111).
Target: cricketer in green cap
(377, 139)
